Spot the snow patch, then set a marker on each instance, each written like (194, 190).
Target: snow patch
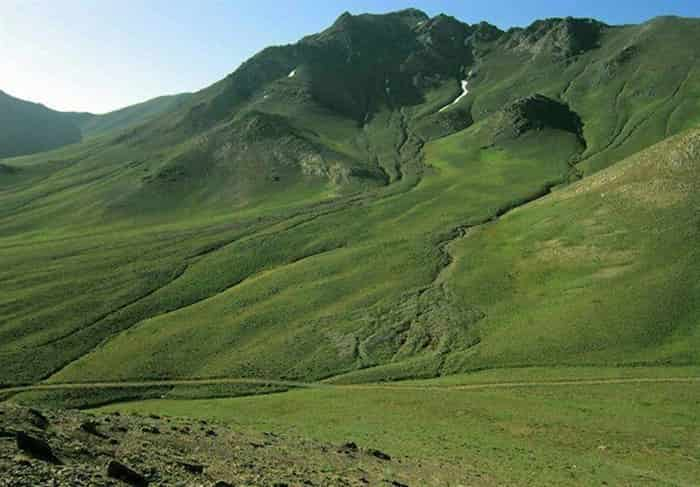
(292, 74)
(465, 92)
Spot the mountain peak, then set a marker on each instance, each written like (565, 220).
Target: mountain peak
(559, 37)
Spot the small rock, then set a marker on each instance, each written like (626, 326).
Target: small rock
(349, 447)
(211, 433)
(396, 483)
(22, 461)
(36, 447)
(7, 434)
(196, 468)
(154, 416)
(121, 472)
(91, 428)
(379, 454)
(222, 483)
(150, 429)
(38, 419)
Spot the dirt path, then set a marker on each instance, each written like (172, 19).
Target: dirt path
(317, 385)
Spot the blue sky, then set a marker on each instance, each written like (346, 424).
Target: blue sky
(99, 55)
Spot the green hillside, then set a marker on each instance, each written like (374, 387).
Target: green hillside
(91, 124)
(339, 209)
(26, 128)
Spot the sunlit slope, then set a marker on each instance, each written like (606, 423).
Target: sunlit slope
(604, 271)
(26, 128)
(124, 118)
(333, 307)
(270, 227)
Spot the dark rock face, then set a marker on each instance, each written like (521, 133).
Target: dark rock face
(121, 472)
(36, 447)
(535, 113)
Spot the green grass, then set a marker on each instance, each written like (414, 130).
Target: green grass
(631, 434)
(161, 253)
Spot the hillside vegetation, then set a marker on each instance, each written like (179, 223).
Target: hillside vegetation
(316, 215)
(27, 127)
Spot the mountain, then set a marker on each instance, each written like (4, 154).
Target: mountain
(27, 127)
(398, 196)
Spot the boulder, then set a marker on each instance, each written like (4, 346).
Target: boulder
(379, 454)
(121, 472)
(36, 447)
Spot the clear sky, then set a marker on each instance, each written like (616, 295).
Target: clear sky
(99, 55)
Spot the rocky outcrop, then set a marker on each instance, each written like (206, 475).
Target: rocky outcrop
(537, 112)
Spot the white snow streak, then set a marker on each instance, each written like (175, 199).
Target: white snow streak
(465, 92)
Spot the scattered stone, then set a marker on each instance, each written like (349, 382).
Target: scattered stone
(379, 454)
(396, 483)
(211, 433)
(151, 429)
(38, 419)
(349, 447)
(36, 447)
(222, 483)
(7, 434)
(90, 427)
(154, 416)
(22, 461)
(196, 468)
(121, 472)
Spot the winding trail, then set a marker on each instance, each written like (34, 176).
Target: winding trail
(320, 385)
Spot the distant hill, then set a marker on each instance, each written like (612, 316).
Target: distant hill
(26, 127)
(91, 124)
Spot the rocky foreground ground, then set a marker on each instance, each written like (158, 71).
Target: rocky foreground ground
(72, 448)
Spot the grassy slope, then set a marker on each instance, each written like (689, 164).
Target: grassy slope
(602, 270)
(26, 128)
(390, 258)
(92, 125)
(307, 279)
